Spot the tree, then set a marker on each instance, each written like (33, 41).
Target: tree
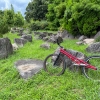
(79, 17)
(83, 17)
(55, 13)
(8, 18)
(36, 10)
(4, 28)
(12, 9)
(18, 19)
(1, 13)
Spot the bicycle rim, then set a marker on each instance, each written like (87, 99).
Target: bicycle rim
(90, 73)
(52, 69)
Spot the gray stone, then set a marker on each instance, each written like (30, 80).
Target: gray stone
(13, 30)
(79, 43)
(95, 47)
(5, 48)
(20, 41)
(65, 34)
(42, 35)
(49, 34)
(20, 34)
(15, 46)
(69, 64)
(36, 33)
(16, 30)
(81, 38)
(52, 39)
(27, 37)
(28, 67)
(97, 35)
(21, 30)
(45, 38)
(45, 45)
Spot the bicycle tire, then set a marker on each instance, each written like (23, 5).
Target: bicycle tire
(90, 73)
(54, 69)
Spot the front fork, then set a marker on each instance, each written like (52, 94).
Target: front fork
(58, 60)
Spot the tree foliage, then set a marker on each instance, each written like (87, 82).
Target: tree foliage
(36, 10)
(76, 16)
(18, 19)
(3, 23)
(55, 13)
(8, 19)
(83, 18)
(9, 16)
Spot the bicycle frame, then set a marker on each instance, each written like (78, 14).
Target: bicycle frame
(77, 61)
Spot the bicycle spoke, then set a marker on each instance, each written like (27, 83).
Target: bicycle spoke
(53, 68)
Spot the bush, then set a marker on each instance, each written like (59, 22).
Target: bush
(39, 25)
(52, 26)
(83, 18)
(4, 28)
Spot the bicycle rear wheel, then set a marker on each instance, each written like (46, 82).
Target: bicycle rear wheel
(54, 64)
(90, 73)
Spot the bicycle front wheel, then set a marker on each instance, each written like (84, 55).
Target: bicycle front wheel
(54, 65)
(90, 73)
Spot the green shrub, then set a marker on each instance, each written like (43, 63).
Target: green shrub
(82, 17)
(4, 28)
(52, 26)
(39, 25)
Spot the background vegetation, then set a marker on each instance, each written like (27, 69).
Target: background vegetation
(79, 17)
(8, 19)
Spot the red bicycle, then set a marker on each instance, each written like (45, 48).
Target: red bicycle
(56, 64)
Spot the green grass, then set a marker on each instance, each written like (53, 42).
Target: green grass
(69, 86)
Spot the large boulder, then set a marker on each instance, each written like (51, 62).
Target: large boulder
(69, 64)
(28, 67)
(5, 48)
(95, 47)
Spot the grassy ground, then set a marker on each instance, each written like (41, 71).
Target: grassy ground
(69, 86)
